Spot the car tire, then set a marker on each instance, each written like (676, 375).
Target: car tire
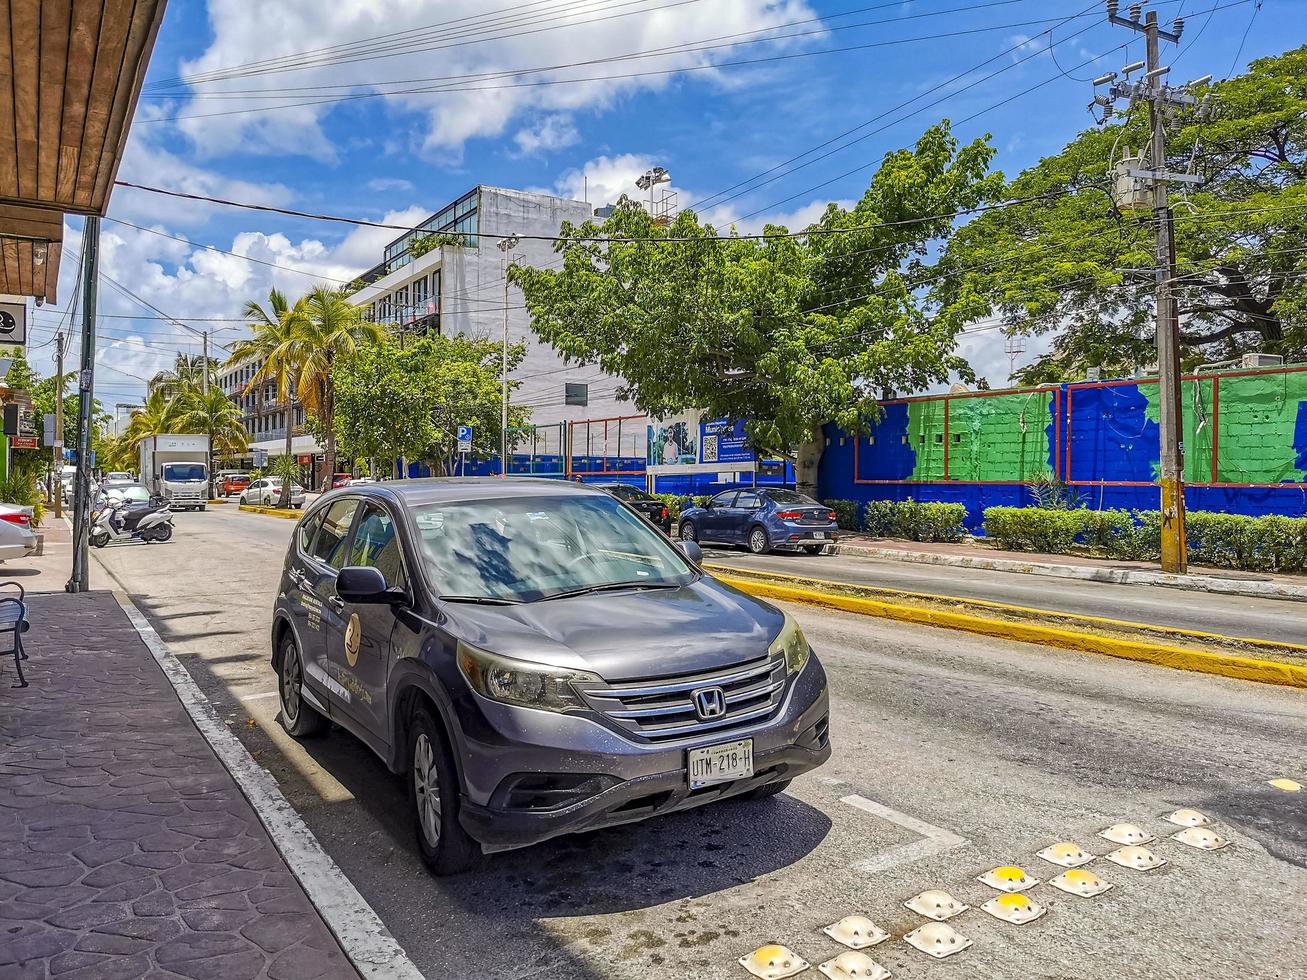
(298, 717)
(762, 792)
(202, 508)
(688, 532)
(759, 544)
(446, 847)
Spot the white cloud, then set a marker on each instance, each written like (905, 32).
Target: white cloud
(464, 44)
(382, 184)
(547, 133)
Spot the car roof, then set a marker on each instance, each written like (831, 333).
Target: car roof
(457, 489)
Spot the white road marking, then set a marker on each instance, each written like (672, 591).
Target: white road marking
(256, 697)
(935, 840)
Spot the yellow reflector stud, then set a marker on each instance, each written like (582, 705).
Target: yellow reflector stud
(848, 966)
(1008, 878)
(1017, 909)
(935, 904)
(1188, 818)
(937, 939)
(1201, 838)
(773, 962)
(1080, 882)
(856, 932)
(1066, 854)
(1126, 833)
(1288, 785)
(1138, 858)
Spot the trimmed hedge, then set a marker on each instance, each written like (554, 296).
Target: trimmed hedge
(911, 519)
(1258, 544)
(846, 514)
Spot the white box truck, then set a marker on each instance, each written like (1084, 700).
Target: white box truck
(177, 467)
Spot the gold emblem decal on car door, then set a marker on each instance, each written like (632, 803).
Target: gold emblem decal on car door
(353, 634)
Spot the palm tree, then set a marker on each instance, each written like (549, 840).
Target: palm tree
(216, 415)
(335, 329)
(186, 374)
(278, 347)
(160, 414)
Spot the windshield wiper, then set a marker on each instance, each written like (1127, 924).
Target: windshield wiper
(482, 600)
(610, 586)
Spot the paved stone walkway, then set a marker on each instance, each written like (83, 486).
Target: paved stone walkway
(126, 849)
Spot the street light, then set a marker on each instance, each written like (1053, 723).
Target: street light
(650, 179)
(506, 245)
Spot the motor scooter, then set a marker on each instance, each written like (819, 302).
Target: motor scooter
(118, 520)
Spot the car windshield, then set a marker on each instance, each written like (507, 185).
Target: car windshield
(790, 497)
(524, 549)
(183, 471)
(131, 492)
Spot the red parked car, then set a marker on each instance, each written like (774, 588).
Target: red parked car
(231, 484)
(339, 480)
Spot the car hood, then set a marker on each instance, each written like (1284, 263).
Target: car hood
(625, 636)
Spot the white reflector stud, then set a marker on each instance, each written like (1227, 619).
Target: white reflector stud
(1126, 833)
(935, 904)
(1188, 818)
(937, 939)
(1138, 858)
(853, 966)
(773, 962)
(1008, 878)
(1080, 882)
(1066, 854)
(1015, 908)
(856, 932)
(1201, 838)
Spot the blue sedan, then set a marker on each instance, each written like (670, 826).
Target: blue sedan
(762, 519)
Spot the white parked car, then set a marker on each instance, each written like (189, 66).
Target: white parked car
(17, 539)
(267, 491)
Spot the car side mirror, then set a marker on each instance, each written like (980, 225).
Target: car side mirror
(691, 550)
(364, 584)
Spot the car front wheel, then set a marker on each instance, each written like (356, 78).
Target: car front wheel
(758, 542)
(433, 791)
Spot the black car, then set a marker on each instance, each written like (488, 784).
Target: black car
(536, 660)
(644, 504)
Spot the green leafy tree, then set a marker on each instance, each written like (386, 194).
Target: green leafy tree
(394, 401)
(786, 333)
(1071, 265)
(185, 375)
(218, 417)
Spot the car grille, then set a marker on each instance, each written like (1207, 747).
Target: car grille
(663, 709)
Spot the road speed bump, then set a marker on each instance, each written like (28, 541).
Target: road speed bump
(773, 962)
(1136, 858)
(1078, 881)
(1015, 908)
(935, 904)
(1288, 785)
(1126, 833)
(937, 939)
(1008, 878)
(1202, 838)
(1066, 854)
(856, 932)
(1188, 818)
(853, 966)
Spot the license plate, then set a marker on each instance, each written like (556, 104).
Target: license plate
(819, 535)
(721, 763)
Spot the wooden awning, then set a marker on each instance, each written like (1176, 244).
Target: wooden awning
(67, 96)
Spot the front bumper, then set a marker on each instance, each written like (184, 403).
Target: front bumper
(650, 779)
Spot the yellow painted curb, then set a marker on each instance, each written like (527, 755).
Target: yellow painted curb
(801, 582)
(282, 512)
(1225, 665)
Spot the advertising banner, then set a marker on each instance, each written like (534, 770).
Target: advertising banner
(723, 441)
(674, 440)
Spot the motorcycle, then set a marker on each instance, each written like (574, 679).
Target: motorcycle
(118, 520)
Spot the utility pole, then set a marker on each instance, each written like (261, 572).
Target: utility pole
(1140, 188)
(85, 384)
(204, 365)
(506, 245)
(59, 424)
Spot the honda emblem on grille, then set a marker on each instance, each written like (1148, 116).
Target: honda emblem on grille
(710, 702)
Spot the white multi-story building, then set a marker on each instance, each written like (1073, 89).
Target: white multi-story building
(460, 289)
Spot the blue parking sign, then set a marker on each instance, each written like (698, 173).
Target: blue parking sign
(465, 438)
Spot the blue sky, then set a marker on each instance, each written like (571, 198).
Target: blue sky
(401, 156)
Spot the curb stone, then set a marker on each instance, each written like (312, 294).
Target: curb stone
(283, 513)
(1085, 573)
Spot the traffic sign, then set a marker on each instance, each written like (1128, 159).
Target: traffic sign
(465, 438)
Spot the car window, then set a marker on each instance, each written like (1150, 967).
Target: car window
(329, 544)
(307, 528)
(723, 499)
(376, 545)
(748, 500)
(789, 497)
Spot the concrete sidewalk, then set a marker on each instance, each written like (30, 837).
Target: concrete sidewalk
(128, 850)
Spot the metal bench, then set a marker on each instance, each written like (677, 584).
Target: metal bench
(13, 619)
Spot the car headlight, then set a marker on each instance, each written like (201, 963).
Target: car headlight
(792, 643)
(523, 684)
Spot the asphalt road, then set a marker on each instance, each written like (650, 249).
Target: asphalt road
(952, 754)
(1267, 619)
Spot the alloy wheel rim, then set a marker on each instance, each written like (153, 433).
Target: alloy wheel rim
(426, 789)
(759, 540)
(290, 686)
